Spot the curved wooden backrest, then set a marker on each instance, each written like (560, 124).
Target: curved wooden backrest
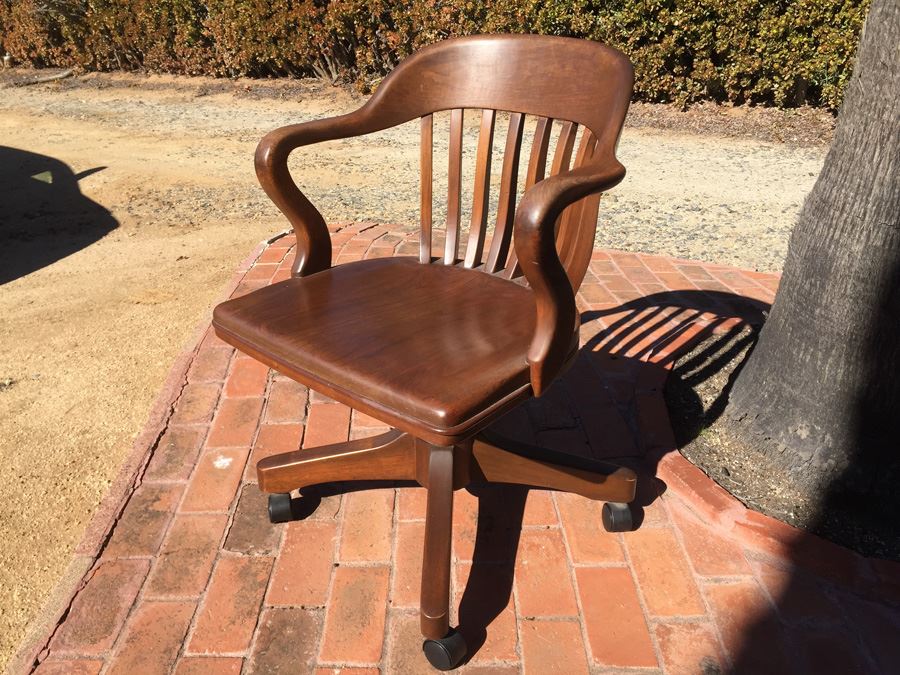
(581, 83)
(554, 77)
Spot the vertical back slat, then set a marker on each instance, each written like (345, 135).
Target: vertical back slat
(578, 261)
(561, 162)
(482, 191)
(576, 236)
(537, 166)
(562, 158)
(426, 154)
(506, 210)
(537, 163)
(571, 217)
(454, 187)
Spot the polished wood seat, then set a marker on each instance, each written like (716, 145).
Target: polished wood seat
(440, 345)
(385, 336)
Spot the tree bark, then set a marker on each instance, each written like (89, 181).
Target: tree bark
(819, 396)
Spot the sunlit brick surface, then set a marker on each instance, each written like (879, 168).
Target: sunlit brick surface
(194, 579)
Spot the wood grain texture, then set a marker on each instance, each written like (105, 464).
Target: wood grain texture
(537, 166)
(538, 467)
(562, 160)
(550, 77)
(454, 187)
(439, 351)
(576, 252)
(435, 590)
(389, 456)
(506, 208)
(426, 160)
(562, 156)
(383, 334)
(482, 191)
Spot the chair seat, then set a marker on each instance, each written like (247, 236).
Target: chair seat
(425, 347)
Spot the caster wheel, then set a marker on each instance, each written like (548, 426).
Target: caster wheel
(446, 653)
(280, 510)
(617, 517)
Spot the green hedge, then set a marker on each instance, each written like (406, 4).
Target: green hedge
(781, 52)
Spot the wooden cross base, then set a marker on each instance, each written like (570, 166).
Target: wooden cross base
(396, 455)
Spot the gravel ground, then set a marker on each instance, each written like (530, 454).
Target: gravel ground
(715, 183)
(87, 338)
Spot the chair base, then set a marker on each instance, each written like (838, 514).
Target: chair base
(396, 455)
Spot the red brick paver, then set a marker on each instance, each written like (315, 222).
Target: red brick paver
(193, 579)
(153, 637)
(100, 609)
(230, 611)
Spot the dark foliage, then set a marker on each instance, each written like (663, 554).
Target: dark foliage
(779, 52)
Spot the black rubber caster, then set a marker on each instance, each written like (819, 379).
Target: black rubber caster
(446, 653)
(280, 510)
(617, 517)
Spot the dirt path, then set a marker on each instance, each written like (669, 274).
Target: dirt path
(101, 295)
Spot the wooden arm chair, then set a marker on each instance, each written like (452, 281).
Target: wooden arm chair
(439, 347)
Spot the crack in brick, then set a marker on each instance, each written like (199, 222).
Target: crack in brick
(44, 651)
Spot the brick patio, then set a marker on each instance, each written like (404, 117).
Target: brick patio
(188, 576)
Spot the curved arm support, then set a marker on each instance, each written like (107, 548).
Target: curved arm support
(313, 240)
(535, 242)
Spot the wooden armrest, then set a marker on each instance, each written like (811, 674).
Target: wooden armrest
(313, 240)
(535, 242)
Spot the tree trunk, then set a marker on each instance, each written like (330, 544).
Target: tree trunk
(820, 395)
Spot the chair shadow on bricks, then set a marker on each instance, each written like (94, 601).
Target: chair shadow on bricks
(637, 350)
(677, 341)
(609, 406)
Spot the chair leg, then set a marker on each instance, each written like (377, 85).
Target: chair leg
(538, 467)
(435, 598)
(390, 456)
(444, 648)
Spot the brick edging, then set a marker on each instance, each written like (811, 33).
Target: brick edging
(870, 577)
(44, 623)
